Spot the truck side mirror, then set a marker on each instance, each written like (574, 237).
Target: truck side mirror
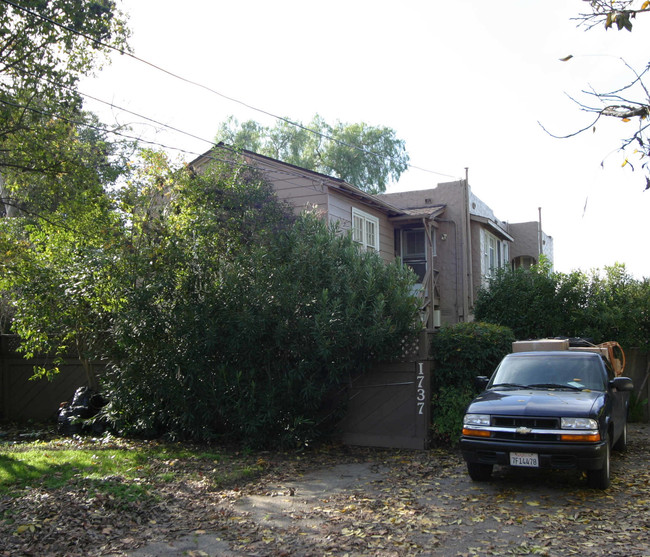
(621, 384)
(481, 381)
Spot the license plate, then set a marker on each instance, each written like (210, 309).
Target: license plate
(529, 460)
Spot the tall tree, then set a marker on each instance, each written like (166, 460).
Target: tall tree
(628, 101)
(56, 167)
(45, 48)
(365, 156)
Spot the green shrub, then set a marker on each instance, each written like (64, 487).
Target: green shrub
(249, 323)
(539, 303)
(460, 353)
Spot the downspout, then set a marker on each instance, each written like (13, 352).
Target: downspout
(456, 261)
(469, 296)
(539, 235)
(428, 255)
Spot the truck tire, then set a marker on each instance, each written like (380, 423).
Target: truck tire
(621, 443)
(479, 472)
(599, 479)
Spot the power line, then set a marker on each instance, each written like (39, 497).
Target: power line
(93, 126)
(294, 172)
(209, 89)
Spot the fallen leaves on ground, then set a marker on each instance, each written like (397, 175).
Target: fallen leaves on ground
(419, 502)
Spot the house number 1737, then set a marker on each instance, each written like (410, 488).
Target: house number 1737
(421, 392)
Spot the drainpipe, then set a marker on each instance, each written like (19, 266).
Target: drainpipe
(457, 261)
(469, 294)
(428, 259)
(539, 234)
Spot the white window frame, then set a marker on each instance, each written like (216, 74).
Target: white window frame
(496, 254)
(365, 229)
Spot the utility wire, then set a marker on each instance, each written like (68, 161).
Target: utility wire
(93, 126)
(294, 172)
(209, 89)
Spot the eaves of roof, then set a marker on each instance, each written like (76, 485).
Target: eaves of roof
(331, 182)
(429, 213)
(493, 226)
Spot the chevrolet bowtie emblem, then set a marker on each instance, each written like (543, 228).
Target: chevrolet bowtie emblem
(524, 430)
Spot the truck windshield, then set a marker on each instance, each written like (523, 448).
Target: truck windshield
(538, 371)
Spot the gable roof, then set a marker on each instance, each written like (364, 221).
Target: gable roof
(331, 182)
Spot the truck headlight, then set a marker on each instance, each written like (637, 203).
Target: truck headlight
(579, 423)
(476, 419)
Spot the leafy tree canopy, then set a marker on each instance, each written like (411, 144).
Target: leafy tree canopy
(45, 137)
(365, 156)
(221, 314)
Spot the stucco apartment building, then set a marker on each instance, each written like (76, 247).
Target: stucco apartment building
(447, 235)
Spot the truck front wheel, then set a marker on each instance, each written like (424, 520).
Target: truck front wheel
(479, 472)
(599, 479)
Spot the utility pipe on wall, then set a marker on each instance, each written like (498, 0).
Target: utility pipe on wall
(540, 234)
(469, 295)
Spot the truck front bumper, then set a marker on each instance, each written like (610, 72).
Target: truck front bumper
(561, 456)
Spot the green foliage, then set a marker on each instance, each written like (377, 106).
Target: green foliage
(465, 350)
(46, 48)
(538, 303)
(462, 352)
(55, 169)
(55, 266)
(241, 322)
(365, 156)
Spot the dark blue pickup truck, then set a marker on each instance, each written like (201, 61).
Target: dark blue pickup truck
(555, 409)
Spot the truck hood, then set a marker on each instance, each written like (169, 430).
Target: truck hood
(534, 402)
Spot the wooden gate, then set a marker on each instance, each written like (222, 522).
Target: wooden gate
(390, 406)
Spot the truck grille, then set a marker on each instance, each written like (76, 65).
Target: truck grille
(525, 421)
(543, 429)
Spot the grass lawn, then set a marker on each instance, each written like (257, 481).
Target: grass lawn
(124, 469)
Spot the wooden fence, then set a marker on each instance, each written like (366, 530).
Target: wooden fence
(389, 406)
(23, 398)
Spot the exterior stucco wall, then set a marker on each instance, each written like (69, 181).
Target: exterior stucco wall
(450, 261)
(526, 235)
(477, 257)
(480, 208)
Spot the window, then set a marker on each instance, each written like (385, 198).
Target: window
(495, 254)
(413, 251)
(365, 229)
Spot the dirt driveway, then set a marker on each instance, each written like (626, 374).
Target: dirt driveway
(343, 502)
(425, 504)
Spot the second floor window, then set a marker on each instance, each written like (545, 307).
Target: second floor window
(414, 251)
(365, 230)
(495, 254)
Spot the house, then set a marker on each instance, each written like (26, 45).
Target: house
(447, 235)
(531, 242)
(469, 245)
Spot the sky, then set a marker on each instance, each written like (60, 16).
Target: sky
(466, 84)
